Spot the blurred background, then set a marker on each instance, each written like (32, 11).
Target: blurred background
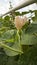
(5, 4)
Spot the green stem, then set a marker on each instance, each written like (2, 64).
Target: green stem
(6, 46)
(19, 36)
(35, 34)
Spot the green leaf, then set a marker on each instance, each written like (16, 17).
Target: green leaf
(16, 46)
(8, 35)
(28, 37)
(16, 50)
(11, 51)
(29, 57)
(7, 18)
(11, 40)
(4, 28)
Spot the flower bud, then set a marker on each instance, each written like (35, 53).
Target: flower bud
(20, 22)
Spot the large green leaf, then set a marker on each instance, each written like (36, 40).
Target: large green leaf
(28, 37)
(16, 49)
(11, 40)
(12, 50)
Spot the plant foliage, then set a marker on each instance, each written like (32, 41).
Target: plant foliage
(18, 47)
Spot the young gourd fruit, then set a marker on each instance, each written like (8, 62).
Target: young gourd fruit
(20, 21)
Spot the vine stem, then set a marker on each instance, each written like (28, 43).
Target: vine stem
(35, 34)
(6, 46)
(19, 36)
